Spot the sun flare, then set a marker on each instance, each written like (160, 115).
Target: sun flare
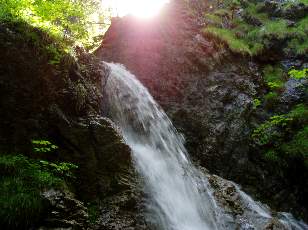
(139, 8)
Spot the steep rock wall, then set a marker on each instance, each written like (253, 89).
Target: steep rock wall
(63, 104)
(207, 91)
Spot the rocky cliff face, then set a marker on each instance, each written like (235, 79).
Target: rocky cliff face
(63, 104)
(208, 92)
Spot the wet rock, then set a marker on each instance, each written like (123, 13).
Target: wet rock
(64, 211)
(122, 211)
(62, 104)
(294, 92)
(95, 145)
(274, 224)
(247, 214)
(207, 91)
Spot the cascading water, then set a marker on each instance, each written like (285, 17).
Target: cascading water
(179, 196)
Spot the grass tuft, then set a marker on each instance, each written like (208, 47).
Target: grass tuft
(20, 186)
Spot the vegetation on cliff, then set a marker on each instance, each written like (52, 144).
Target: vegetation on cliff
(48, 79)
(50, 87)
(269, 31)
(23, 180)
(251, 28)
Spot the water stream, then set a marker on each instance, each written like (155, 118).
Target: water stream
(179, 196)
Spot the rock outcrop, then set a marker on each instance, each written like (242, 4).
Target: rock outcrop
(63, 104)
(207, 91)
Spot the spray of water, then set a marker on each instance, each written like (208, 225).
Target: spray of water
(179, 196)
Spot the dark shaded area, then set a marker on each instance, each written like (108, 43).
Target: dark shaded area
(62, 103)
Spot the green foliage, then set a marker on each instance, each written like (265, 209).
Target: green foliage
(305, 2)
(298, 74)
(274, 77)
(255, 11)
(299, 46)
(289, 4)
(43, 146)
(228, 37)
(298, 146)
(256, 103)
(68, 21)
(245, 37)
(271, 155)
(299, 113)
(22, 181)
(20, 186)
(270, 129)
(277, 29)
(271, 98)
(93, 211)
(215, 19)
(285, 136)
(63, 169)
(302, 25)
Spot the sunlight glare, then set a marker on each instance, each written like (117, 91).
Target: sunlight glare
(139, 8)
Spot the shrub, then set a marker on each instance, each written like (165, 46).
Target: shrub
(285, 136)
(298, 146)
(269, 130)
(22, 181)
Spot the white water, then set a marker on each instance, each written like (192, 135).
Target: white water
(179, 196)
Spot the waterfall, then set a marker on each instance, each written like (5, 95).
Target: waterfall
(179, 196)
